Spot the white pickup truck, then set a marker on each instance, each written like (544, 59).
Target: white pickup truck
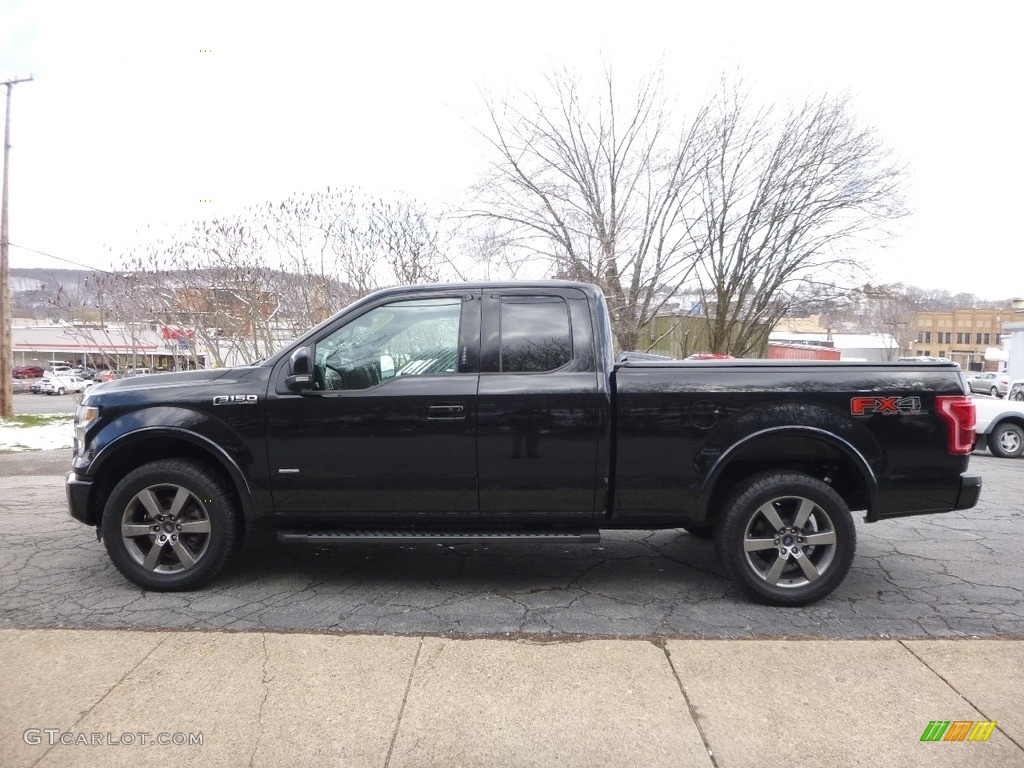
(58, 383)
(1000, 424)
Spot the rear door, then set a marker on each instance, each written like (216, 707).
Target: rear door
(538, 410)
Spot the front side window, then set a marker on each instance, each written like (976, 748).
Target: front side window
(535, 334)
(404, 338)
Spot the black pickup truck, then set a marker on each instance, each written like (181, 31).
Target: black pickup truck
(498, 411)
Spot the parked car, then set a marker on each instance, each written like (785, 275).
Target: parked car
(138, 372)
(85, 372)
(496, 412)
(1016, 390)
(1000, 426)
(28, 372)
(58, 384)
(994, 384)
(18, 386)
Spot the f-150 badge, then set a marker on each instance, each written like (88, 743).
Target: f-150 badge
(887, 406)
(235, 399)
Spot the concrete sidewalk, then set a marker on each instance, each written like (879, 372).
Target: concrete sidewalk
(266, 699)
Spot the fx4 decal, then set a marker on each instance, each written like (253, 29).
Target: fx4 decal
(235, 399)
(887, 406)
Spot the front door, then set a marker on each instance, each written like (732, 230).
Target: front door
(389, 430)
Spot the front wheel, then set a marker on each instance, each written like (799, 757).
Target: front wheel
(786, 538)
(171, 525)
(1006, 441)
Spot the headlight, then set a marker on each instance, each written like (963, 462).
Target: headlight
(85, 417)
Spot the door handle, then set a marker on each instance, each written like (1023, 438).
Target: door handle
(445, 412)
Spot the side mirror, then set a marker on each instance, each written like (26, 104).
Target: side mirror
(300, 370)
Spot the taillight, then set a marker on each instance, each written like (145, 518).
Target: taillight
(958, 413)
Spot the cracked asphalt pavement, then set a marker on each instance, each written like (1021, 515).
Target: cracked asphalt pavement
(950, 575)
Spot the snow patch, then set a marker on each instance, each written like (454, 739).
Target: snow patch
(58, 433)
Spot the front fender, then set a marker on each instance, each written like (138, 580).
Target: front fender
(128, 433)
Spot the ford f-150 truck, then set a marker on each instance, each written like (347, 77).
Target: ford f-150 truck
(498, 411)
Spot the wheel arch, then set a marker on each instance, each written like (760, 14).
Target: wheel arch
(815, 452)
(1015, 419)
(1012, 420)
(150, 444)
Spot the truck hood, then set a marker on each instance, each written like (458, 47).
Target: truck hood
(163, 381)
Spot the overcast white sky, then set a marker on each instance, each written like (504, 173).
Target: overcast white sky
(128, 124)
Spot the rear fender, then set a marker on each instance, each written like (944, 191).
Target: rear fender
(773, 442)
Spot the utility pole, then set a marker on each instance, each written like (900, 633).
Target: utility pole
(6, 350)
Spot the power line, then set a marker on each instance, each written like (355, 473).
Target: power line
(66, 261)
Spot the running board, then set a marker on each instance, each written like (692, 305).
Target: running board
(437, 537)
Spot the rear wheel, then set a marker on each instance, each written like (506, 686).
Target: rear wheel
(1006, 441)
(994, 392)
(786, 538)
(171, 525)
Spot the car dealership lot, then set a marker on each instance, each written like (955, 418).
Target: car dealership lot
(950, 575)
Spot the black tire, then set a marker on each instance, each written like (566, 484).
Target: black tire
(994, 392)
(147, 521)
(1006, 441)
(700, 530)
(788, 568)
(60, 391)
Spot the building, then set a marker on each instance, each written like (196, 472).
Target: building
(873, 347)
(680, 335)
(111, 346)
(802, 352)
(962, 335)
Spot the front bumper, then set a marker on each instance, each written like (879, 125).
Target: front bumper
(78, 492)
(970, 490)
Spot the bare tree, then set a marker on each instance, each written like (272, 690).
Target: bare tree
(349, 244)
(241, 285)
(208, 286)
(305, 231)
(594, 185)
(781, 192)
(892, 310)
(493, 255)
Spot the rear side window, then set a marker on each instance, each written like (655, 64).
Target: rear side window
(535, 334)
